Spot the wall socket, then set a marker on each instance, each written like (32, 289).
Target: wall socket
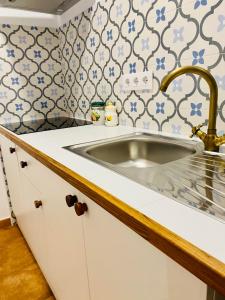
(137, 81)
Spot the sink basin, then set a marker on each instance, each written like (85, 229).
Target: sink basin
(139, 150)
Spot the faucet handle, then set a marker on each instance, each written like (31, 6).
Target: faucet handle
(195, 129)
(220, 140)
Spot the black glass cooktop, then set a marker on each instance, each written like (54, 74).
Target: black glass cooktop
(44, 125)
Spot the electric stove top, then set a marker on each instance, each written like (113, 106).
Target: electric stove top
(32, 126)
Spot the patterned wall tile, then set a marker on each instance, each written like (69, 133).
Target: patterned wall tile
(118, 37)
(30, 74)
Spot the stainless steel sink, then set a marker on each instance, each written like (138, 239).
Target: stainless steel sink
(135, 154)
(138, 151)
(177, 168)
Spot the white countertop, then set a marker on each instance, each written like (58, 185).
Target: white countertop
(201, 230)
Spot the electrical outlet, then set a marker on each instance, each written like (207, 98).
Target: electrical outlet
(137, 81)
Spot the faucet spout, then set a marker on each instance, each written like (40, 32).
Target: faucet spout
(211, 140)
(212, 85)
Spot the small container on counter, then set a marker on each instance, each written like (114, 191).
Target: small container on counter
(98, 112)
(111, 116)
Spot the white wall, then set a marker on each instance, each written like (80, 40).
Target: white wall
(4, 206)
(29, 18)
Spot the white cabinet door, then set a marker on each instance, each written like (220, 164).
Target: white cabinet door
(67, 270)
(31, 221)
(123, 266)
(12, 173)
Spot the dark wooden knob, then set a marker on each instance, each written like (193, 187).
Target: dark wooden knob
(12, 150)
(37, 203)
(23, 164)
(71, 200)
(80, 208)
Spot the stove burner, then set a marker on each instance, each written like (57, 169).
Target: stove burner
(32, 126)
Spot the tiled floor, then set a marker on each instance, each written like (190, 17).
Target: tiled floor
(20, 276)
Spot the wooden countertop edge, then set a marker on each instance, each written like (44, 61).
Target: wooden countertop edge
(202, 265)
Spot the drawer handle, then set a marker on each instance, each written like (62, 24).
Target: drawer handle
(23, 164)
(80, 208)
(71, 200)
(37, 203)
(12, 150)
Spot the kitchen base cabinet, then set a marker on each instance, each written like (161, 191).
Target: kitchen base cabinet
(123, 266)
(88, 254)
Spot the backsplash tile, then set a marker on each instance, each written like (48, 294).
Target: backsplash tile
(118, 37)
(110, 39)
(30, 74)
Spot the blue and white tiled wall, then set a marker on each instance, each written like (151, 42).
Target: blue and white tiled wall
(116, 37)
(112, 38)
(30, 74)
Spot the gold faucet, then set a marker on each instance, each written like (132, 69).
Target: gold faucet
(210, 139)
